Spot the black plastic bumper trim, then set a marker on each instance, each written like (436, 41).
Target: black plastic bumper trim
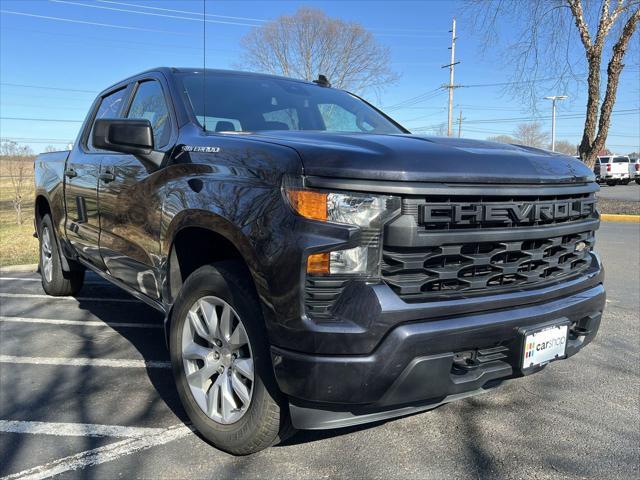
(415, 361)
(310, 418)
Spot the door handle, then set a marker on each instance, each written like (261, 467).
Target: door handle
(107, 176)
(70, 173)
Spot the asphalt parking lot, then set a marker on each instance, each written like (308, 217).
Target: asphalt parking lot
(85, 392)
(630, 193)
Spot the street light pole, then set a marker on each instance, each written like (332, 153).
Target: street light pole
(553, 118)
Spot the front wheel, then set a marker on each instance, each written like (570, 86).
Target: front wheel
(221, 361)
(611, 183)
(55, 281)
(638, 181)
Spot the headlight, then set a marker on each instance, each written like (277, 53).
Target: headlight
(367, 211)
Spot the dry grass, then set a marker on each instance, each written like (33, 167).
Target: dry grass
(618, 207)
(17, 245)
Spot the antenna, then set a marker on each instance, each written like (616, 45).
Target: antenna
(204, 65)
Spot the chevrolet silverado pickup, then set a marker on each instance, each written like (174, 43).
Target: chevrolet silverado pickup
(319, 266)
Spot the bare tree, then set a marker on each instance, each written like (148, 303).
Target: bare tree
(309, 43)
(17, 160)
(502, 139)
(550, 34)
(50, 148)
(563, 146)
(531, 134)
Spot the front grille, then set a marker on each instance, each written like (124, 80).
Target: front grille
(471, 267)
(458, 255)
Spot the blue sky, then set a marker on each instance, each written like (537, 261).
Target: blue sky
(76, 48)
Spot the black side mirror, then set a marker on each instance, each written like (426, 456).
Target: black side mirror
(133, 136)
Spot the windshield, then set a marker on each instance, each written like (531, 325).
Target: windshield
(240, 103)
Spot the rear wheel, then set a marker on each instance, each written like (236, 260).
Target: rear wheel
(611, 183)
(55, 281)
(221, 361)
(625, 182)
(638, 181)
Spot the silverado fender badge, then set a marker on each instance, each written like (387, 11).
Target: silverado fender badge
(192, 148)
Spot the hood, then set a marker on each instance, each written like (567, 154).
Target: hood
(426, 159)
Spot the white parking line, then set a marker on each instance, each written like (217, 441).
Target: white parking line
(80, 299)
(85, 362)
(74, 429)
(27, 279)
(84, 323)
(100, 455)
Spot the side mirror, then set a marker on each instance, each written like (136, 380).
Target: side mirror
(127, 135)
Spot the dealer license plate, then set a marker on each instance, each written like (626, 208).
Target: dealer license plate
(544, 345)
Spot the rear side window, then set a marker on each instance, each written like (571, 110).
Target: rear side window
(110, 107)
(284, 119)
(149, 104)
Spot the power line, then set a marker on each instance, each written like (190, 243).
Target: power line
(176, 17)
(413, 100)
(112, 41)
(36, 140)
(25, 85)
(97, 24)
(182, 11)
(546, 117)
(525, 119)
(47, 107)
(243, 20)
(42, 119)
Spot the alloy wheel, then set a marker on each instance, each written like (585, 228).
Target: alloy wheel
(217, 360)
(46, 253)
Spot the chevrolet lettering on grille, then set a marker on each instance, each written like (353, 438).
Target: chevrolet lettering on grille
(469, 213)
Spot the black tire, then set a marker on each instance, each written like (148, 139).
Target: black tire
(638, 181)
(266, 420)
(612, 183)
(625, 182)
(55, 281)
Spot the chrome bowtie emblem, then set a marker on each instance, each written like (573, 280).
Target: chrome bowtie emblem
(580, 246)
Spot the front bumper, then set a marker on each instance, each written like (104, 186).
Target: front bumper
(416, 365)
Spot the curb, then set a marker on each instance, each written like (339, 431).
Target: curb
(20, 268)
(609, 217)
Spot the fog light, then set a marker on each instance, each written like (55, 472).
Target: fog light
(318, 264)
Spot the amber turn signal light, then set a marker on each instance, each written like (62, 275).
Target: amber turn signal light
(309, 204)
(318, 264)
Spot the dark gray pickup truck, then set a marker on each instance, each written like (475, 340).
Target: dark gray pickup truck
(319, 266)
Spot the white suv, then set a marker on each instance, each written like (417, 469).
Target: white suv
(614, 169)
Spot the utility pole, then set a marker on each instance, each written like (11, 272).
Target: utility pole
(451, 86)
(460, 125)
(553, 99)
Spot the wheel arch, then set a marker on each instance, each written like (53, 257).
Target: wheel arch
(197, 238)
(42, 207)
